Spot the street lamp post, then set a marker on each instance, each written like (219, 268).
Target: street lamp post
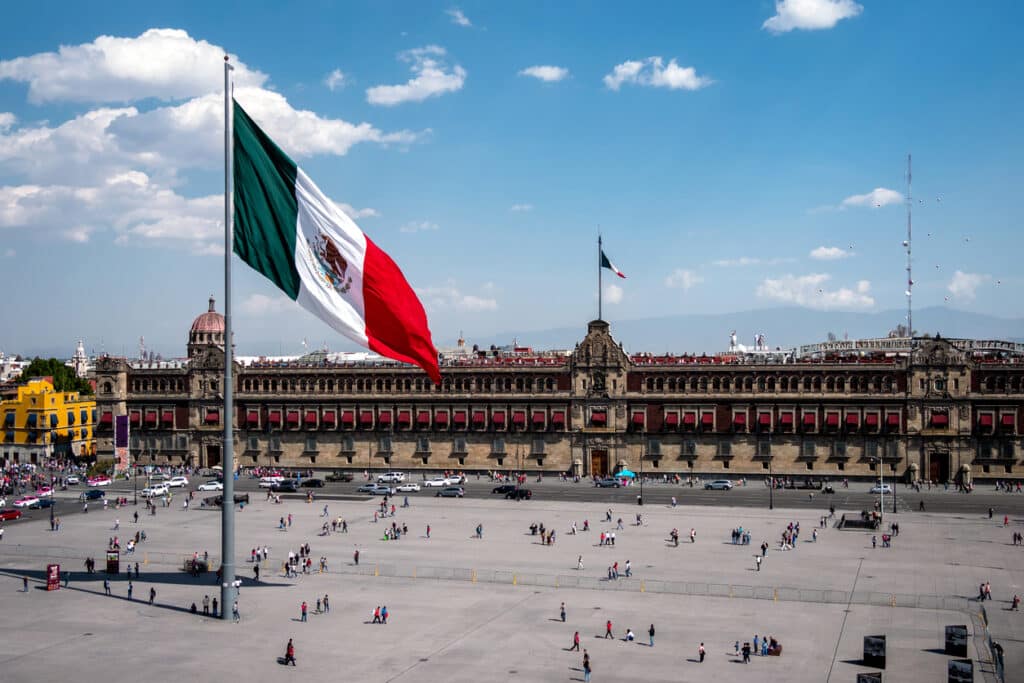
(771, 478)
(640, 498)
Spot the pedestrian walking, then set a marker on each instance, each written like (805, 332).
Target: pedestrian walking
(575, 641)
(562, 612)
(650, 632)
(304, 608)
(384, 614)
(206, 605)
(106, 587)
(355, 556)
(587, 668)
(289, 653)
(428, 531)
(757, 559)
(376, 615)
(701, 652)
(327, 604)
(152, 595)
(24, 584)
(608, 629)
(235, 614)
(579, 563)
(131, 589)
(215, 608)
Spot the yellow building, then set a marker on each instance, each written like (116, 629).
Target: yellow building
(40, 422)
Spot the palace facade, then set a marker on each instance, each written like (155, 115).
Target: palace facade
(944, 409)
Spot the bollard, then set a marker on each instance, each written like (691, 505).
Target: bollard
(775, 594)
(643, 587)
(414, 572)
(556, 582)
(145, 558)
(376, 570)
(514, 581)
(474, 576)
(892, 601)
(730, 592)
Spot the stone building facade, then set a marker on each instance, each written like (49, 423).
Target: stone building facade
(940, 409)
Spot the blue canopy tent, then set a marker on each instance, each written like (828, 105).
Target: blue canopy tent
(625, 473)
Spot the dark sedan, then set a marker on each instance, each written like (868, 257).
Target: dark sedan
(42, 503)
(504, 488)
(339, 476)
(312, 483)
(92, 494)
(286, 486)
(607, 483)
(519, 494)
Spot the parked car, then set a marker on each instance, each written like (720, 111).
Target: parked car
(718, 485)
(339, 476)
(456, 479)
(212, 485)
(519, 494)
(436, 482)
(91, 494)
(26, 501)
(877, 488)
(608, 483)
(313, 483)
(286, 486)
(9, 515)
(391, 477)
(177, 482)
(410, 487)
(504, 488)
(72, 480)
(451, 492)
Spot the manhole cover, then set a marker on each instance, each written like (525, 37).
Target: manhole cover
(424, 659)
(86, 634)
(512, 671)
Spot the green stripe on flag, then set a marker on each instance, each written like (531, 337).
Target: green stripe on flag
(266, 213)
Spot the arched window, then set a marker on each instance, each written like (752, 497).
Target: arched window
(108, 387)
(841, 384)
(761, 384)
(716, 385)
(771, 384)
(784, 384)
(830, 384)
(807, 384)
(704, 384)
(817, 384)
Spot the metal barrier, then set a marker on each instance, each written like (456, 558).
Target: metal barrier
(994, 648)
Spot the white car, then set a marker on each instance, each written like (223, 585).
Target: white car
(439, 482)
(456, 480)
(154, 490)
(267, 482)
(177, 482)
(390, 477)
(407, 488)
(99, 481)
(881, 488)
(211, 486)
(26, 502)
(72, 480)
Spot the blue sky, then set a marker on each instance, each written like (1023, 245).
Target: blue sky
(736, 156)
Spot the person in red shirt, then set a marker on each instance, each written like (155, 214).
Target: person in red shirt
(289, 654)
(608, 629)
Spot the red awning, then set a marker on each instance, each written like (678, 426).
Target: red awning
(252, 417)
(810, 419)
(940, 419)
(423, 417)
(384, 417)
(1007, 420)
(167, 416)
(518, 417)
(274, 417)
(135, 417)
(404, 417)
(852, 419)
(671, 419)
(292, 417)
(441, 418)
(212, 417)
(764, 419)
(538, 417)
(366, 417)
(707, 419)
(459, 417)
(739, 419)
(985, 420)
(786, 419)
(348, 417)
(831, 419)
(497, 419)
(328, 417)
(311, 417)
(599, 418)
(689, 419)
(871, 419)
(150, 417)
(479, 417)
(638, 418)
(558, 417)
(892, 419)
(106, 418)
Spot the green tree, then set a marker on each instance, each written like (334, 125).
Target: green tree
(64, 378)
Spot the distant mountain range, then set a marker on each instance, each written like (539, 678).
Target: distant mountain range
(785, 327)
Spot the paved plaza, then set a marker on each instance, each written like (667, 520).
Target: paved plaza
(471, 609)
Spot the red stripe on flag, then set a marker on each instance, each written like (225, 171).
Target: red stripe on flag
(396, 324)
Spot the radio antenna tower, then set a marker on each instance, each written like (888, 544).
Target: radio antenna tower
(908, 245)
(142, 348)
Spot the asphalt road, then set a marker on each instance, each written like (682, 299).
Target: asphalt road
(754, 495)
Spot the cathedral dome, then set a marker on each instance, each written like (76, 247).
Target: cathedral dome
(209, 322)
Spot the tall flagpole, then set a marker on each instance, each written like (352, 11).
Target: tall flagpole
(599, 275)
(227, 520)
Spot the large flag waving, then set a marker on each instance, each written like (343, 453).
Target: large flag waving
(605, 263)
(293, 234)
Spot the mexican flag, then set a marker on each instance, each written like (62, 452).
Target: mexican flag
(292, 233)
(605, 263)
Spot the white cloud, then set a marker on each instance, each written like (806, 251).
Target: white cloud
(878, 197)
(810, 15)
(830, 253)
(613, 294)
(744, 261)
(335, 80)
(10, 253)
(449, 297)
(431, 78)
(964, 286)
(7, 119)
(166, 64)
(355, 213)
(78, 234)
(546, 73)
(683, 279)
(809, 291)
(458, 18)
(654, 73)
(521, 207)
(261, 304)
(418, 226)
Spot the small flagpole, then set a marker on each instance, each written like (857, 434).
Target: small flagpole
(227, 526)
(598, 274)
